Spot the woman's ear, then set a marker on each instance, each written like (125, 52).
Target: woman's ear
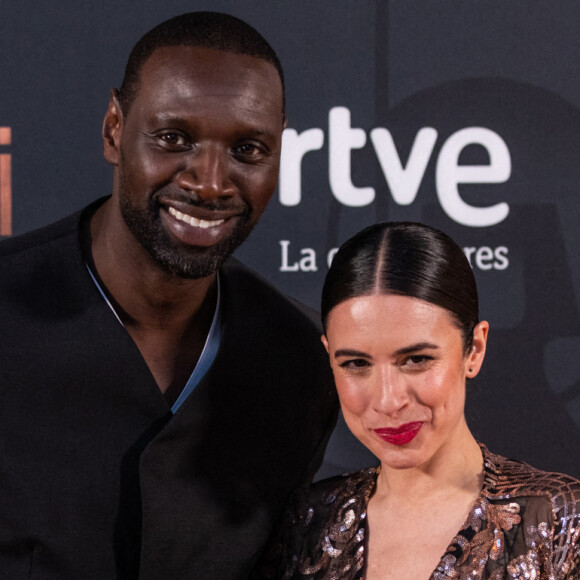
(325, 343)
(475, 357)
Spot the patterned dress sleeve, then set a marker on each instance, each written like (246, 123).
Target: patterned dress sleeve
(566, 540)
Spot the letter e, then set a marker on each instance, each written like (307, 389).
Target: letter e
(449, 174)
(483, 258)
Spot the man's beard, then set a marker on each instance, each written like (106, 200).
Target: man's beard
(183, 262)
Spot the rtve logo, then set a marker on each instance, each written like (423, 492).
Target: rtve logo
(402, 179)
(5, 183)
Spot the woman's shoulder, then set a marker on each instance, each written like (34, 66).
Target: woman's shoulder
(322, 530)
(330, 501)
(547, 502)
(324, 527)
(338, 487)
(509, 478)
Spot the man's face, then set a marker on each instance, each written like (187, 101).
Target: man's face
(197, 154)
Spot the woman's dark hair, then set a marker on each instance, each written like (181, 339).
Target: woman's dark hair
(408, 259)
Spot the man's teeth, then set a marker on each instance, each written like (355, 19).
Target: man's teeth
(194, 221)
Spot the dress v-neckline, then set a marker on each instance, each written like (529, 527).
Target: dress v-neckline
(473, 538)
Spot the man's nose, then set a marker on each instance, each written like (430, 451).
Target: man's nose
(391, 393)
(207, 174)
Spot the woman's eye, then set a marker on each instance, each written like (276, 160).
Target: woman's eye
(355, 364)
(417, 360)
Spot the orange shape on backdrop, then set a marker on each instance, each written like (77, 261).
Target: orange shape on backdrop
(5, 184)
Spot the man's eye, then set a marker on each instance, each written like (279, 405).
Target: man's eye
(171, 138)
(249, 150)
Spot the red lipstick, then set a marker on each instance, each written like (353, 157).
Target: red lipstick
(401, 435)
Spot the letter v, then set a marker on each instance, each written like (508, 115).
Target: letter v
(404, 181)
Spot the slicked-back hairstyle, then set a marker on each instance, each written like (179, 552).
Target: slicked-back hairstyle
(202, 29)
(407, 259)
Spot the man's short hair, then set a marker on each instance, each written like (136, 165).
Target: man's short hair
(202, 29)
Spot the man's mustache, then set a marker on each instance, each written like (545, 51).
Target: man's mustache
(229, 205)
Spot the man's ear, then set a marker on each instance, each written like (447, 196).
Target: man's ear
(112, 129)
(325, 343)
(475, 357)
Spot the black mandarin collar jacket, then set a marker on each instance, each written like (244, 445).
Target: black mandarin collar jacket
(97, 479)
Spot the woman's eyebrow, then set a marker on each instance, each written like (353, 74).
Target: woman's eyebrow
(349, 352)
(416, 347)
(405, 350)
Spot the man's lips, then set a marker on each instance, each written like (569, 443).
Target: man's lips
(193, 221)
(200, 226)
(400, 435)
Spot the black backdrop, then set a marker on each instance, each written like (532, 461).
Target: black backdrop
(465, 115)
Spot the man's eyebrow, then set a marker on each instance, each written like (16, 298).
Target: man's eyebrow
(164, 116)
(250, 130)
(258, 132)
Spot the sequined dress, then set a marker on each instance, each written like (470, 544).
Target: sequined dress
(525, 524)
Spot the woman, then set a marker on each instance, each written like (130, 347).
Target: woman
(401, 327)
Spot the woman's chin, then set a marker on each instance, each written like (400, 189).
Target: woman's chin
(402, 459)
(406, 456)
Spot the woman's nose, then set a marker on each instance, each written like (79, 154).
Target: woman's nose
(206, 174)
(390, 391)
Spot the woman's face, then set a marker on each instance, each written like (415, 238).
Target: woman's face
(400, 368)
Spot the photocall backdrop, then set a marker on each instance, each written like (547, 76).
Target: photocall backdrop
(463, 115)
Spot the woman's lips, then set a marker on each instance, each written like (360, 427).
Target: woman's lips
(401, 435)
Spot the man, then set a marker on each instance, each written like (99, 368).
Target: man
(158, 403)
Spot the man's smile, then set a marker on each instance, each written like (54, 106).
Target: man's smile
(193, 221)
(201, 226)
